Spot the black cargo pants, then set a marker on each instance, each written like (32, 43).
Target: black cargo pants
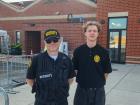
(89, 96)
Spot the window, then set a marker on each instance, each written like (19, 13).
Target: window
(117, 23)
(18, 33)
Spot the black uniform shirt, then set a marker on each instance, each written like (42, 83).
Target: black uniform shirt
(51, 78)
(92, 64)
(32, 69)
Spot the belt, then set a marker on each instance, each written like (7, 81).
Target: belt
(90, 89)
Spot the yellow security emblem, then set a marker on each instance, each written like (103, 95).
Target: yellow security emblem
(51, 33)
(97, 58)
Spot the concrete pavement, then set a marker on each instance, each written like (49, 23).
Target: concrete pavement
(122, 88)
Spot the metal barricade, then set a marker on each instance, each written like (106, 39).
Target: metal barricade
(4, 99)
(13, 70)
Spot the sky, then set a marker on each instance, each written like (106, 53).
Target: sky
(15, 0)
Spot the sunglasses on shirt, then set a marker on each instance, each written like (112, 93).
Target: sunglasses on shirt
(48, 41)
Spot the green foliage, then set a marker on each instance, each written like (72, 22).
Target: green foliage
(16, 49)
(17, 45)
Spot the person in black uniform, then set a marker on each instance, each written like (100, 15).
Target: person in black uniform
(50, 73)
(92, 65)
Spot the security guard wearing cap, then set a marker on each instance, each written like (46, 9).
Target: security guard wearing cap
(92, 65)
(50, 73)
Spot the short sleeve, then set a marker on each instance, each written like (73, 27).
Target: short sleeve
(31, 72)
(75, 60)
(108, 68)
(71, 70)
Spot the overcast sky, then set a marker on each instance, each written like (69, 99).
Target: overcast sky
(16, 0)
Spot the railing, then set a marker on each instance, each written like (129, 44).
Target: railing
(13, 70)
(4, 99)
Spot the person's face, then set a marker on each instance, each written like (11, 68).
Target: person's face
(92, 33)
(52, 45)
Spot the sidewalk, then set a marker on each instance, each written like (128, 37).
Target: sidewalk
(122, 88)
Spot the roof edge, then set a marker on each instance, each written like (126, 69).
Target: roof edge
(29, 6)
(45, 17)
(12, 7)
(88, 2)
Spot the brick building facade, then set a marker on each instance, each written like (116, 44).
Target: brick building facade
(121, 20)
(27, 25)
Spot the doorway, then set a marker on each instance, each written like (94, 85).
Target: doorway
(117, 39)
(117, 45)
(32, 42)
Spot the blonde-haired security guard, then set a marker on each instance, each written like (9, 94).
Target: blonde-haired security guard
(92, 65)
(50, 73)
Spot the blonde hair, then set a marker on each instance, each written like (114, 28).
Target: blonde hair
(90, 23)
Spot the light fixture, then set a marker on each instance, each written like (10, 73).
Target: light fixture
(32, 24)
(102, 21)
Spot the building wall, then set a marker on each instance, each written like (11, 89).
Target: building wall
(20, 21)
(71, 32)
(5, 11)
(65, 7)
(46, 9)
(133, 32)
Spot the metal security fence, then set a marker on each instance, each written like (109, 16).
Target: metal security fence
(4, 99)
(13, 70)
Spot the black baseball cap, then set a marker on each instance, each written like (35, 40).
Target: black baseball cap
(51, 34)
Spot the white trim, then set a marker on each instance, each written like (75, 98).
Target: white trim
(88, 2)
(17, 9)
(133, 57)
(45, 17)
(117, 14)
(12, 7)
(128, 61)
(29, 6)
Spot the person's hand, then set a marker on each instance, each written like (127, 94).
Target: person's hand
(30, 82)
(106, 75)
(70, 81)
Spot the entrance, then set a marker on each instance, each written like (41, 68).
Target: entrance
(117, 39)
(117, 45)
(32, 42)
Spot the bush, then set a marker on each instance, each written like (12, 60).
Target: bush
(16, 49)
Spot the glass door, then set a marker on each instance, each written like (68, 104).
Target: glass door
(117, 38)
(123, 46)
(117, 45)
(114, 46)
